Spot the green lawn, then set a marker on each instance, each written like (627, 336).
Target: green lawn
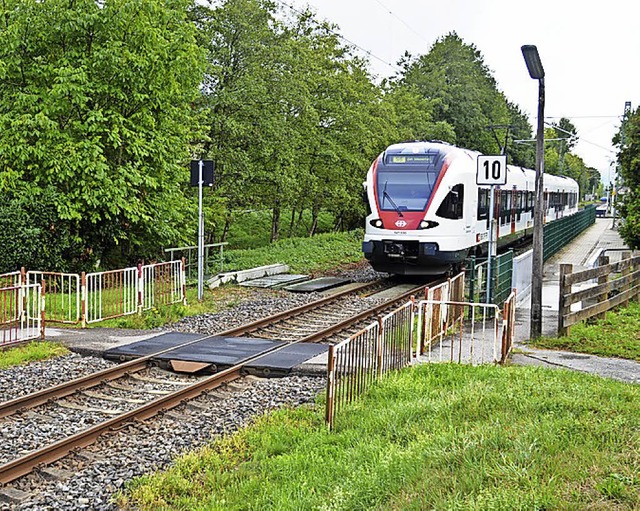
(616, 336)
(430, 437)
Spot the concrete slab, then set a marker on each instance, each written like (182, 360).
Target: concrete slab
(316, 285)
(275, 281)
(242, 275)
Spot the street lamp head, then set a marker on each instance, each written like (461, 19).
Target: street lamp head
(532, 59)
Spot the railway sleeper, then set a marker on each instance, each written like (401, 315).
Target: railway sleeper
(106, 397)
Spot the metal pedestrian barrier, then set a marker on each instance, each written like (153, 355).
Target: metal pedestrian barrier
(110, 294)
(357, 362)
(21, 312)
(83, 298)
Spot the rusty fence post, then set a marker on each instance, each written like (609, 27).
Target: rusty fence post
(411, 325)
(183, 279)
(83, 300)
(505, 334)
(636, 280)
(379, 348)
(140, 283)
(564, 292)
(331, 388)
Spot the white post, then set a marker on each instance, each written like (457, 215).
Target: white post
(200, 233)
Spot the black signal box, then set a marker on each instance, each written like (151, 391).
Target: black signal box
(207, 172)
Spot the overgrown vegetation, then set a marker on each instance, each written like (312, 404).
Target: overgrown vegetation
(616, 336)
(438, 436)
(32, 352)
(303, 255)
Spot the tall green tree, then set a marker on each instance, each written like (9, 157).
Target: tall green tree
(465, 94)
(294, 118)
(628, 142)
(95, 105)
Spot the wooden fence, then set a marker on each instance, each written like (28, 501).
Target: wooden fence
(609, 286)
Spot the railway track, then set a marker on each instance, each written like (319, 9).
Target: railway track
(133, 391)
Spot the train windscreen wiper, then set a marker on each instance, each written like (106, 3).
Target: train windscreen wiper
(385, 195)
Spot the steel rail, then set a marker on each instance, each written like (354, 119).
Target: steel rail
(84, 382)
(334, 329)
(57, 450)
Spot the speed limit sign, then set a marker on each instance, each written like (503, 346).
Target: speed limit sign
(492, 170)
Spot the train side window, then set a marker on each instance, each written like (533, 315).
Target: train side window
(483, 204)
(452, 205)
(505, 206)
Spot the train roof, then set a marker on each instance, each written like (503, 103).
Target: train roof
(444, 148)
(421, 147)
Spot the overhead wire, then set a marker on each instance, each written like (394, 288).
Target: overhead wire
(578, 137)
(337, 34)
(403, 22)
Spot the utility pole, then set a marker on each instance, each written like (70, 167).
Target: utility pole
(536, 71)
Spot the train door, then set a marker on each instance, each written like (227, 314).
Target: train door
(497, 208)
(514, 206)
(470, 208)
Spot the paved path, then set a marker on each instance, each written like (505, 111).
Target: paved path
(582, 253)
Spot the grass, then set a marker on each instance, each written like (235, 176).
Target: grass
(616, 336)
(32, 352)
(303, 255)
(431, 437)
(253, 228)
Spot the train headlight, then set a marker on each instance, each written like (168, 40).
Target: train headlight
(428, 224)
(376, 223)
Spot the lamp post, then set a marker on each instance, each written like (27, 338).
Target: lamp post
(536, 71)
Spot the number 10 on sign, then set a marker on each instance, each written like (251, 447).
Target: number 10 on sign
(492, 170)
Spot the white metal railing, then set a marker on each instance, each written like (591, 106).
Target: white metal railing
(63, 297)
(357, 362)
(161, 284)
(11, 279)
(461, 332)
(21, 313)
(442, 330)
(110, 294)
(190, 256)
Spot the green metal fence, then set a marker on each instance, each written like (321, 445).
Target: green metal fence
(501, 274)
(559, 233)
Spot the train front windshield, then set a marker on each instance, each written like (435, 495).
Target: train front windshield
(405, 181)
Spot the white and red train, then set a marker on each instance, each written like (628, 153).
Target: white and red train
(428, 214)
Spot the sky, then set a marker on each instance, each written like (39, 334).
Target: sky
(589, 51)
